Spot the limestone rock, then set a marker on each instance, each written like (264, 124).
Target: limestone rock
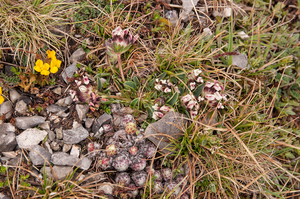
(31, 137)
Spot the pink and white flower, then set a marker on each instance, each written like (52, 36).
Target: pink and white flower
(191, 104)
(157, 115)
(197, 72)
(155, 107)
(78, 83)
(217, 86)
(83, 88)
(165, 109)
(158, 87)
(167, 90)
(200, 99)
(86, 80)
(193, 114)
(210, 97)
(72, 93)
(199, 79)
(220, 106)
(185, 99)
(192, 85)
(218, 96)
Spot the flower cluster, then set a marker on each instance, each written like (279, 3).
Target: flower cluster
(211, 94)
(165, 86)
(52, 64)
(194, 77)
(159, 112)
(84, 92)
(120, 42)
(1, 97)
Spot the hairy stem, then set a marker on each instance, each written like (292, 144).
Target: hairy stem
(120, 68)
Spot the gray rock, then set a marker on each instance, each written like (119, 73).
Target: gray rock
(15, 161)
(55, 146)
(77, 56)
(89, 122)
(57, 90)
(118, 120)
(10, 154)
(142, 118)
(107, 188)
(63, 159)
(69, 72)
(103, 119)
(169, 125)
(82, 110)
(3, 196)
(54, 108)
(38, 155)
(48, 147)
(67, 147)
(61, 172)
(75, 151)
(31, 137)
(241, 61)
(7, 137)
(28, 122)
(115, 108)
(59, 133)
(21, 107)
(85, 163)
(47, 170)
(51, 135)
(45, 126)
(75, 135)
(14, 95)
(65, 101)
(59, 29)
(6, 109)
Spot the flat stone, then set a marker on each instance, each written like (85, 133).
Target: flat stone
(65, 101)
(63, 159)
(107, 188)
(31, 137)
(75, 151)
(47, 170)
(28, 122)
(169, 125)
(6, 109)
(89, 122)
(38, 155)
(7, 137)
(77, 56)
(82, 110)
(57, 90)
(54, 108)
(69, 72)
(45, 125)
(59, 133)
(51, 135)
(103, 119)
(21, 107)
(55, 146)
(61, 172)
(85, 163)
(67, 147)
(48, 147)
(75, 135)
(10, 154)
(14, 95)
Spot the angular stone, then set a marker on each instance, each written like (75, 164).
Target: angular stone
(75, 151)
(85, 163)
(82, 110)
(47, 170)
(45, 125)
(89, 122)
(61, 172)
(57, 90)
(7, 137)
(67, 147)
(51, 135)
(103, 119)
(38, 155)
(59, 133)
(48, 147)
(28, 122)
(14, 95)
(107, 188)
(65, 101)
(55, 146)
(6, 109)
(69, 72)
(75, 135)
(21, 107)
(77, 56)
(54, 108)
(63, 159)
(31, 137)
(170, 125)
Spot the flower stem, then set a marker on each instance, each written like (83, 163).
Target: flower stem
(120, 68)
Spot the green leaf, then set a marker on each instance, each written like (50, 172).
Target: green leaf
(150, 111)
(150, 84)
(136, 80)
(289, 155)
(134, 103)
(171, 101)
(99, 84)
(198, 90)
(161, 76)
(130, 84)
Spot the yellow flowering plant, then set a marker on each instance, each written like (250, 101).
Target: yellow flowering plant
(1, 97)
(51, 65)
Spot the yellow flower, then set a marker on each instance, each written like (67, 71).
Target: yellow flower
(38, 65)
(45, 69)
(1, 98)
(55, 63)
(51, 54)
(53, 69)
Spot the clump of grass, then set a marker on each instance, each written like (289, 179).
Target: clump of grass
(25, 26)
